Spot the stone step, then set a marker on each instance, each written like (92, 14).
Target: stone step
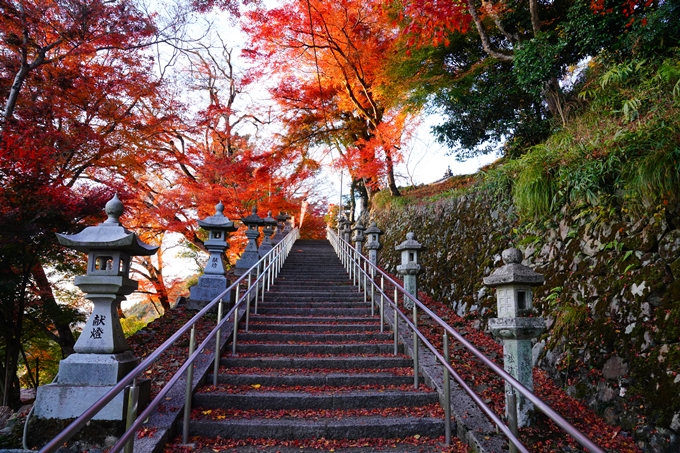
(259, 318)
(323, 369)
(305, 275)
(301, 327)
(301, 282)
(269, 303)
(303, 428)
(309, 348)
(271, 337)
(336, 363)
(398, 447)
(314, 380)
(275, 400)
(328, 296)
(312, 312)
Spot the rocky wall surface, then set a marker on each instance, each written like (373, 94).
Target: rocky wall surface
(611, 297)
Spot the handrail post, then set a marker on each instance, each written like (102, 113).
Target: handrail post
(257, 287)
(270, 273)
(396, 324)
(354, 267)
(133, 400)
(233, 341)
(447, 391)
(372, 291)
(264, 278)
(511, 401)
(248, 301)
(216, 366)
(382, 303)
(188, 394)
(415, 346)
(366, 288)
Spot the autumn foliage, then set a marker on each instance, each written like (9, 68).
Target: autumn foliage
(326, 61)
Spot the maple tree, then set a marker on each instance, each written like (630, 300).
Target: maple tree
(325, 58)
(497, 69)
(214, 154)
(73, 78)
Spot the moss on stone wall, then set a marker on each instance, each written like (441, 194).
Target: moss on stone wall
(611, 297)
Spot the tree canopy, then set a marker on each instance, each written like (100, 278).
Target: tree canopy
(104, 96)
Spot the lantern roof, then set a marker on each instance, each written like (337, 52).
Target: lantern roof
(373, 229)
(410, 243)
(253, 219)
(513, 271)
(358, 226)
(218, 221)
(269, 220)
(108, 235)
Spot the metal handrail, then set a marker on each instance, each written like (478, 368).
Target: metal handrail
(265, 269)
(358, 265)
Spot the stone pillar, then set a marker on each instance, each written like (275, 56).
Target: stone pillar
(409, 267)
(250, 256)
(358, 237)
(373, 244)
(102, 356)
(513, 283)
(287, 226)
(346, 229)
(339, 222)
(214, 279)
(269, 227)
(280, 226)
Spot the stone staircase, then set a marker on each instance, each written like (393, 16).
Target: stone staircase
(315, 366)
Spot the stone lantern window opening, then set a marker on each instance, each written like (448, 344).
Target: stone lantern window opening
(521, 299)
(217, 235)
(103, 263)
(411, 256)
(108, 262)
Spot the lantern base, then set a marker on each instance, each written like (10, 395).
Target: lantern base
(96, 369)
(206, 290)
(248, 259)
(83, 379)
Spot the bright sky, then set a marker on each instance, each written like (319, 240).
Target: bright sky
(425, 160)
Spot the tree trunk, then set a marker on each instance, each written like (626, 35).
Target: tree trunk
(364, 195)
(392, 184)
(11, 389)
(552, 93)
(64, 336)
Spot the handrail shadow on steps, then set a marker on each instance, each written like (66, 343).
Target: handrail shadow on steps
(360, 268)
(264, 272)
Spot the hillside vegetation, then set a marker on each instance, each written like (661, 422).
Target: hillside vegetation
(595, 209)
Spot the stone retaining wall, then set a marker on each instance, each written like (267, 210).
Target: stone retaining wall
(612, 297)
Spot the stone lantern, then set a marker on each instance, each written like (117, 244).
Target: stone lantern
(102, 356)
(287, 226)
(409, 267)
(270, 224)
(513, 283)
(250, 257)
(358, 237)
(214, 278)
(280, 225)
(373, 245)
(346, 228)
(338, 222)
